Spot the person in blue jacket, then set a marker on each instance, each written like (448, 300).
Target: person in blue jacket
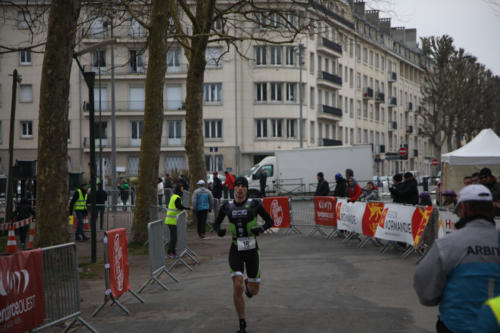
(461, 271)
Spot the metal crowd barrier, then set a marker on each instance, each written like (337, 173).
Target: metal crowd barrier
(156, 246)
(61, 287)
(182, 247)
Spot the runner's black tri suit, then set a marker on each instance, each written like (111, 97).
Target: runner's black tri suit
(244, 250)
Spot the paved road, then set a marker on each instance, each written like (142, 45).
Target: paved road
(308, 285)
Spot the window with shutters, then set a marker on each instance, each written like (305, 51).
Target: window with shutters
(137, 98)
(26, 93)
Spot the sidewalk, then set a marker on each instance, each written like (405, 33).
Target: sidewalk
(308, 285)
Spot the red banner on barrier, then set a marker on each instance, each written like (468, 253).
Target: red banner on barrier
(118, 261)
(279, 209)
(419, 221)
(21, 291)
(325, 211)
(371, 217)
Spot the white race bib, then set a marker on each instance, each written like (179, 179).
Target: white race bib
(245, 243)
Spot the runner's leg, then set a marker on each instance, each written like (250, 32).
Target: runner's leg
(253, 271)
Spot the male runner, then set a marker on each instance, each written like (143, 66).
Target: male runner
(244, 251)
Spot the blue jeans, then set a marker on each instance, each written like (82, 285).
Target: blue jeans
(80, 214)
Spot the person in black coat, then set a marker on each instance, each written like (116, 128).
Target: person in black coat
(409, 190)
(396, 188)
(262, 181)
(100, 199)
(323, 188)
(340, 187)
(216, 186)
(23, 211)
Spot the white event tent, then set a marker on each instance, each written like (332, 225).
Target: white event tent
(482, 151)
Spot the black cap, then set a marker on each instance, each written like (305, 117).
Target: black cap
(398, 177)
(485, 172)
(241, 181)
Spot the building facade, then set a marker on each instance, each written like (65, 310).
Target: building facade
(358, 83)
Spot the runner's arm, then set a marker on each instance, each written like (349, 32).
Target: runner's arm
(268, 221)
(220, 218)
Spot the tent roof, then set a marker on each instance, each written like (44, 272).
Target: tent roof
(484, 149)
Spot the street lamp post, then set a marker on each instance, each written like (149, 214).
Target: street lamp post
(301, 133)
(89, 78)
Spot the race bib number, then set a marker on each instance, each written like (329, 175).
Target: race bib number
(245, 243)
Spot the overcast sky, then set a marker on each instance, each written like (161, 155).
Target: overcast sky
(473, 24)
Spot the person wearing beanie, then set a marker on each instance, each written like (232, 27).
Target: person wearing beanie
(340, 186)
(425, 199)
(244, 254)
(323, 188)
(396, 188)
(202, 203)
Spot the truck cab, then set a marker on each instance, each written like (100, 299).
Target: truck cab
(253, 176)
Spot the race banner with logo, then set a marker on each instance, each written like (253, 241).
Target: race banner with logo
(325, 211)
(279, 209)
(446, 222)
(371, 217)
(419, 221)
(395, 223)
(351, 215)
(21, 291)
(118, 261)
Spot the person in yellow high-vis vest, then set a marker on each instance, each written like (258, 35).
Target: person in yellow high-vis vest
(174, 208)
(488, 318)
(79, 205)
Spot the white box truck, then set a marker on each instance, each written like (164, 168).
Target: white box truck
(295, 170)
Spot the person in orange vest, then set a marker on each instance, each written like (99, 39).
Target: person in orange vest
(79, 204)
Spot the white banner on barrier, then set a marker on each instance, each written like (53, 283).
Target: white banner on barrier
(447, 222)
(351, 215)
(396, 223)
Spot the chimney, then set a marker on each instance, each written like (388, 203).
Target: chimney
(372, 16)
(411, 38)
(359, 8)
(385, 25)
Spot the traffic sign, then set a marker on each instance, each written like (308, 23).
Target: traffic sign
(435, 162)
(402, 151)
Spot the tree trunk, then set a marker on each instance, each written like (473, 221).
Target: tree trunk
(194, 92)
(194, 115)
(153, 120)
(52, 171)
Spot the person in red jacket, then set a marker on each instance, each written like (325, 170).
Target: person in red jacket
(353, 189)
(229, 182)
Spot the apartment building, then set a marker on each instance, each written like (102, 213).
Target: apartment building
(359, 84)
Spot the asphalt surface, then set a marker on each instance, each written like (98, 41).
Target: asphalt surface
(309, 284)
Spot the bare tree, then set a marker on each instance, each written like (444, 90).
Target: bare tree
(52, 189)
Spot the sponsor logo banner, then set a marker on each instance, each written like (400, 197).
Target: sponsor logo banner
(446, 224)
(396, 223)
(325, 211)
(279, 209)
(118, 261)
(419, 221)
(21, 291)
(371, 217)
(351, 215)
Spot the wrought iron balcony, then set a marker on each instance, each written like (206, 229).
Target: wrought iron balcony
(380, 98)
(330, 77)
(337, 48)
(331, 110)
(367, 93)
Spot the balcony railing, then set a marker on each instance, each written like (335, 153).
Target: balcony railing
(136, 106)
(392, 125)
(128, 142)
(330, 45)
(331, 110)
(331, 142)
(380, 97)
(180, 69)
(409, 129)
(392, 76)
(330, 77)
(367, 93)
(393, 101)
